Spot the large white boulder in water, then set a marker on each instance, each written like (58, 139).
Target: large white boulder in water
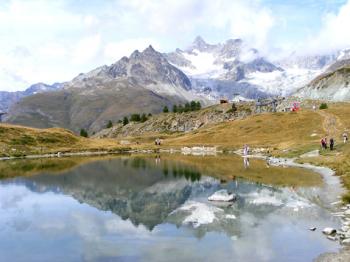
(329, 231)
(222, 195)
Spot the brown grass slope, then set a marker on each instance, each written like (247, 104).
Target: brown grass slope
(18, 141)
(277, 130)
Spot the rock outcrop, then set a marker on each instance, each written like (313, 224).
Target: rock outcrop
(179, 122)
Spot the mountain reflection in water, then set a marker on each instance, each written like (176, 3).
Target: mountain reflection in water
(145, 208)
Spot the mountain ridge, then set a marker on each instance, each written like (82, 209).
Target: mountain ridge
(143, 82)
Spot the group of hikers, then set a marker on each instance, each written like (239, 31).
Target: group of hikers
(324, 142)
(157, 142)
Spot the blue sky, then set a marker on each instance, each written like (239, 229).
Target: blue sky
(51, 41)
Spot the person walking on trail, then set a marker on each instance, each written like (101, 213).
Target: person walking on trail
(345, 137)
(331, 143)
(325, 143)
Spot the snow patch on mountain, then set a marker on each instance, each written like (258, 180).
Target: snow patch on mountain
(203, 65)
(282, 82)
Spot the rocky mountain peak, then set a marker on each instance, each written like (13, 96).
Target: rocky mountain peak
(145, 68)
(136, 54)
(199, 44)
(234, 42)
(149, 49)
(199, 41)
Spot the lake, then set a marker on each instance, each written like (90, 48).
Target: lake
(155, 208)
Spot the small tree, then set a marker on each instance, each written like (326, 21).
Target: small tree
(149, 114)
(234, 108)
(120, 121)
(125, 121)
(165, 109)
(83, 133)
(198, 105)
(135, 118)
(193, 106)
(187, 107)
(109, 124)
(174, 108)
(143, 118)
(180, 108)
(323, 106)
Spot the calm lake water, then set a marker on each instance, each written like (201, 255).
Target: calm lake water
(154, 209)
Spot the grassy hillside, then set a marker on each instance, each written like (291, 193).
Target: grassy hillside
(277, 130)
(336, 121)
(170, 123)
(19, 140)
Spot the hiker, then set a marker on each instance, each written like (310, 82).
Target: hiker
(157, 142)
(323, 144)
(246, 150)
(345, 137)
(331, 143)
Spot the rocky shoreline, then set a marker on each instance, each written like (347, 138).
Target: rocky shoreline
(332, 194)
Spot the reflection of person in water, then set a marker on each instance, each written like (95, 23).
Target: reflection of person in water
(246, 162)
(157, 159)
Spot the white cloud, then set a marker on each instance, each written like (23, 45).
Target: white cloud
(86, 49)
(247, 19)
(333, 34)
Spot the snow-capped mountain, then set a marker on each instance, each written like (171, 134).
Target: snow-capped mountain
(149, 69)
(228, 61)
(226, 69)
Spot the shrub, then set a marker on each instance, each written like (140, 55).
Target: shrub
(109, 124)
(83, 133)
(198, 105)
(174, 108)
(135, 118)
(193, 106)
(165, 109)
(143, 118)
(187, 107)
(234, 108)
(180, 109)
(125, 121)
(323, 106)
